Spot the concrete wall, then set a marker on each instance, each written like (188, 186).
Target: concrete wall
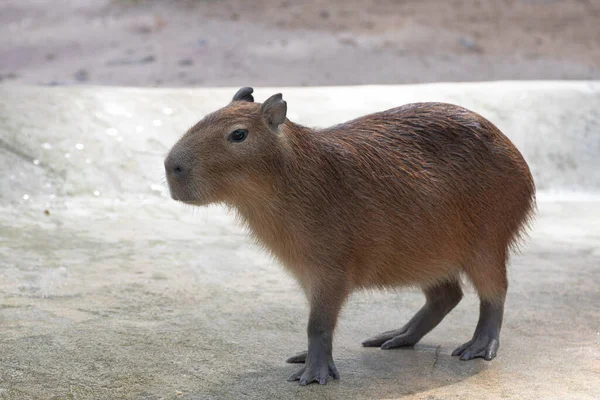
(111, 141)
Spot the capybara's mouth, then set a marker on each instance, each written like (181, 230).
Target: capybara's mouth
(176, 194)
(179, 197)
(186, 199)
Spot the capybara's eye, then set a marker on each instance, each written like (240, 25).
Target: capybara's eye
(239, 135)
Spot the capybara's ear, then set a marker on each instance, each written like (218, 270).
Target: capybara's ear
(244, 94)
(274, 110)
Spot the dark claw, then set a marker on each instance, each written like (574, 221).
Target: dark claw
(334, 372)
(296, 375)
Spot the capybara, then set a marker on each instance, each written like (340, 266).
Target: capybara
(417, 195)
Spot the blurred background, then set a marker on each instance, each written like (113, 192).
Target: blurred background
(296, 43)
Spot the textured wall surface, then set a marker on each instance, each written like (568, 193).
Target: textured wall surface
(108, 289)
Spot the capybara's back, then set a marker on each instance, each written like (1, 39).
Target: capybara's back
(421, 191)
(417, 195)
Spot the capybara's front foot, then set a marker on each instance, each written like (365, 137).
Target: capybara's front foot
(316, 370)
(299, 358)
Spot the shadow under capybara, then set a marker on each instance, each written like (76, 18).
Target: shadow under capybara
(412, 196)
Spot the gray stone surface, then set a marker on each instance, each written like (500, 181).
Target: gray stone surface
(108, 289)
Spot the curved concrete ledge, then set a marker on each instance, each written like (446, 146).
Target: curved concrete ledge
(108, 289)
(123, 133)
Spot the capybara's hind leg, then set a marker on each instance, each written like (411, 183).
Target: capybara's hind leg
(490, 281)
(441, 299)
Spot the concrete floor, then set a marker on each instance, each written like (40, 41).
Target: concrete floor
(110, 290)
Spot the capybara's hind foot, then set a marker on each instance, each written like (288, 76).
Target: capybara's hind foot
(299, 358)
(392, 339)
(441, 299)
(479, 347)
(486, 339)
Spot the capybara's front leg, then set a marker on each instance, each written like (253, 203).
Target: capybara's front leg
(326, 301)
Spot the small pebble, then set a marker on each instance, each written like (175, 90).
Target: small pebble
(82, 75)
(147, 59)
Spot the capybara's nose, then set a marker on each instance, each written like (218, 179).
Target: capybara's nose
(174, 168)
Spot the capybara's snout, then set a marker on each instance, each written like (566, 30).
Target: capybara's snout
(177, 171)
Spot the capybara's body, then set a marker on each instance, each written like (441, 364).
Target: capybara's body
(415, 195)
(408, 196)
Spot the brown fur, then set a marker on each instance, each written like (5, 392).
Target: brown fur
(409, 196)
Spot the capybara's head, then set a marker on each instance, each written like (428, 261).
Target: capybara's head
(229, 153)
